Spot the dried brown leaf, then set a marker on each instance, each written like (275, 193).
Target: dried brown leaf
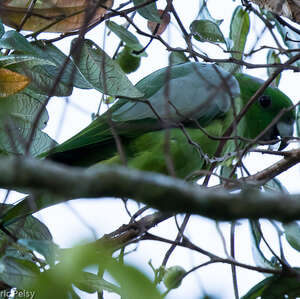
(286, 8)
(164, 23)
(68, 15)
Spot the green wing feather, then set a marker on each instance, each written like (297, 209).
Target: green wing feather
(180, 94)
(191, 90)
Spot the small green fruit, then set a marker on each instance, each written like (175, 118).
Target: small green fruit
(173, 277)
(128, 61)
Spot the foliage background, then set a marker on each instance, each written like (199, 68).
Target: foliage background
(92, 218)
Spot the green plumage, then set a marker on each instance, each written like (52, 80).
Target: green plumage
(187, 95)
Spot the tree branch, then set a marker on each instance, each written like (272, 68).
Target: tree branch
(159, 191)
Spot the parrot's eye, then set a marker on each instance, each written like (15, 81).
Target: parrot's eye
(265, 101)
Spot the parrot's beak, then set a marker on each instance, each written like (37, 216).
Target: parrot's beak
(284, 130)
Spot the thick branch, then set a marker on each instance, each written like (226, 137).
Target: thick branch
(159, 191)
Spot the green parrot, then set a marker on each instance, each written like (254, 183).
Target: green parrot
(183, 106)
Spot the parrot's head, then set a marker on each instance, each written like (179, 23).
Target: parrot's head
(264, 111)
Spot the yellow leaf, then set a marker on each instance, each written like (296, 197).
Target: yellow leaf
(11, 82)
(45, 12)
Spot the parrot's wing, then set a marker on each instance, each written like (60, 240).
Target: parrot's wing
(174, 94)
(182, 92)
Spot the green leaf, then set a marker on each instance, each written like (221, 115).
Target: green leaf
(292, 234)
(23, 106)
(258, 255)
(17, 273)
(257, 290)
(104, 73)
(41, 81)
(19, 133)
(17, 265)
(282, 287)
(275, 287)
(2, 30)
(58, 279)
(13, 40)
(133, 282)
(26, 228)
(207, 31)
(45, 247)
(239, 29)
(28, 206)
(272, 58)
(127, 37)
(54, 282)
(149, 11)
(289, 37)
(71, 75)
(15, 59)
(91, 283)
(17, 115)
(177, 58)
(204, 13)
